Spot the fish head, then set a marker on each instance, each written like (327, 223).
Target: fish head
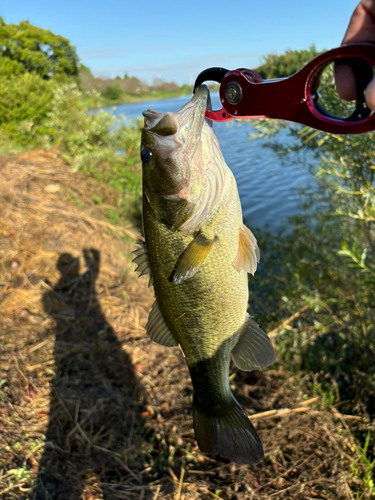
(172, 159)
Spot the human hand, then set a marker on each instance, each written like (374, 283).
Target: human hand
(361, 29)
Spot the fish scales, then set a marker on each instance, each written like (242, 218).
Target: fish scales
(193, 297)
(198, 253)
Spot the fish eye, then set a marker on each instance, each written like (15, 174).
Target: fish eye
(146, 155)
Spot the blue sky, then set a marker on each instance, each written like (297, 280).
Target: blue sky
(179, 39)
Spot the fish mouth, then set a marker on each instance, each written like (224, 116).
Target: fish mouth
(193, 114)
(188, 120)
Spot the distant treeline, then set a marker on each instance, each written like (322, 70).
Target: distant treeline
(113, 88)
(25, 48)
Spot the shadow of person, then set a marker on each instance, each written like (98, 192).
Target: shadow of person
(94, 427)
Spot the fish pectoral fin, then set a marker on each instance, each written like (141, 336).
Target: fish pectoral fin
(157, 328)
(141, 259)
(192, 258)
(254, 349)
(248, 252)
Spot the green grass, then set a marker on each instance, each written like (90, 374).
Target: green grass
(364, 468)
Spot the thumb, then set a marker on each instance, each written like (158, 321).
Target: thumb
(361, 29)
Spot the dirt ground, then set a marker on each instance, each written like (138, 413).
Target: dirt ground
(90, 408)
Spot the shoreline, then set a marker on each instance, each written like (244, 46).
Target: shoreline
(154, 95)
(133, 99)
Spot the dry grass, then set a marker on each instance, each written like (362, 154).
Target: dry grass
(90, 407)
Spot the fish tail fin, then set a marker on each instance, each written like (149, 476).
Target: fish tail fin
(229, 434)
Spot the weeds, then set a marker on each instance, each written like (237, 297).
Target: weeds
(363, 468)
(97, 143)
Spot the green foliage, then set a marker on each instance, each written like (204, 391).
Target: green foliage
(9, 68)
(364, 467)
(25, 101)
(325, 263)
(27, 48)
(21, 473)
(84, 69)
(279, 66)
(335, 333)
(82, 135)
(98, 143)
(113, 92)
(32, 63)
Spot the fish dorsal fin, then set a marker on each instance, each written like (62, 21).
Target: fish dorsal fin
(248, 252)
(253, 350)
(141, 259)
(192, 258)
(157, 328)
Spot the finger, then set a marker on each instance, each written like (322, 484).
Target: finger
(362, 23)
(361, 29)
(345, 81)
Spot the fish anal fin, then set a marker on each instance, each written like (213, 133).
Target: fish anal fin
(192, 258)
(141, 259)
(248, 252)
(157, 328)
(254, 349)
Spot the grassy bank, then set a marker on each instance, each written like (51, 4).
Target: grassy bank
(91, 408)
(88, 143)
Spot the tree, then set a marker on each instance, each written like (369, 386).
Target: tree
(84, 69)
(113, 92)
(27, 48)
(282, 65)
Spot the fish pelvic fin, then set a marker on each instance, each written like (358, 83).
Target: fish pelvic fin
(192, 258)
(157, 328)
(254, 349)
(248, 252)
(229, 434)
(141, 259)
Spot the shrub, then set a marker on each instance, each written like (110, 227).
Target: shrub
(25, 101)
(25, 97)
(113, 92)
(83, 136)
(98, 143)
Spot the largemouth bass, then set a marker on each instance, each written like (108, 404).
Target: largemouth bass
(198, 253)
